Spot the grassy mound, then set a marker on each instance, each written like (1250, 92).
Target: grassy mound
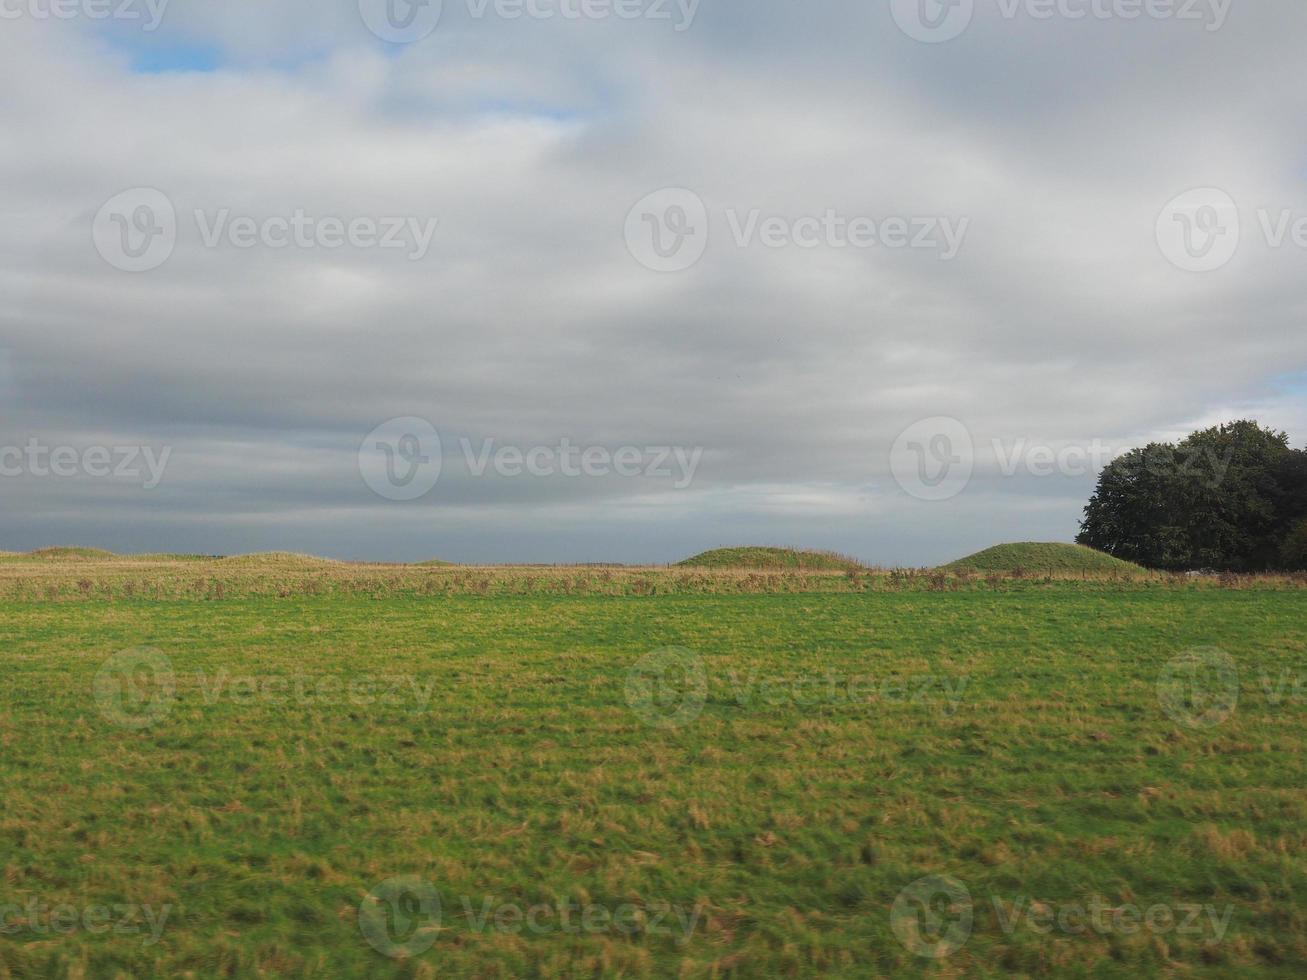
(771, 558)
(1043, 557)
(70, 554)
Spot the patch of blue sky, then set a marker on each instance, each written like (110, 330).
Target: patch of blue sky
(158, 53)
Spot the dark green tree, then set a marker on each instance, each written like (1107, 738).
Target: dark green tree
(1224, 498)
(1131, 515)
(1293, 553)
(1229, 491)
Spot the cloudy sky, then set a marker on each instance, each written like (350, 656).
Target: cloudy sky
(622, 280)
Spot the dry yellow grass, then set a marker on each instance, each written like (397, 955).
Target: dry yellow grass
(80, 573)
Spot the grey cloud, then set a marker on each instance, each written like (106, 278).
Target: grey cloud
(529, 321)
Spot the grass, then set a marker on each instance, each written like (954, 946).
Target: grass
(63, 556)
(771, 558)
(509, 750)
(278, 559)
(1039, 557)
(278, 575)
(69, 554)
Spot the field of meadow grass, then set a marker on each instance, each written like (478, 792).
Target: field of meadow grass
(280, 766)
(81, 573)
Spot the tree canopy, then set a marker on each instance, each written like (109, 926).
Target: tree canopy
(1230, 498)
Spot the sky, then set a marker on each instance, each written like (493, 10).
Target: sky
(622, 280)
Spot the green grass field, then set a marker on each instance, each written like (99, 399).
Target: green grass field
(712, 780)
